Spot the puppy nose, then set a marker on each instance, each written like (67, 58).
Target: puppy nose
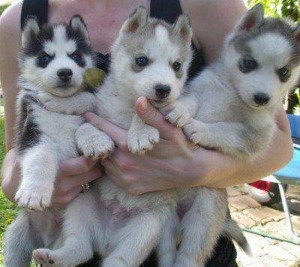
(261, 99)
(65, 74)
(162, 91)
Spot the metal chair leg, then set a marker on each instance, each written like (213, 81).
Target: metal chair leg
(287, 214)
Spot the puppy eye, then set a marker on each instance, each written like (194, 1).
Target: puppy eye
(44, 59)
(177, 66)
(142, 61)
(76, 56)
(247, 64)
(284, 74)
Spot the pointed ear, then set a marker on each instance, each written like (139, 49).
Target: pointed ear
(136, 20)
(183, 27)
(77, 24)
(297, 33)
(252, 19)
(30, 30)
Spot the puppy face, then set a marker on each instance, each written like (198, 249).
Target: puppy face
(54, 58)
(152, 57)
(262, 58)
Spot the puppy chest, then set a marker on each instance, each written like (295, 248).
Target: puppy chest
(60, 129)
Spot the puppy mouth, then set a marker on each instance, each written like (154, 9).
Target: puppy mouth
(64, 86)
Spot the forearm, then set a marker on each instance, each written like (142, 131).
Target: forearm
(224, 171)
(10, 175)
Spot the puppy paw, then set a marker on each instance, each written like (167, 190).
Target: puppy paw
(97, 147)
(195, 132)
(113, 262)
(43, 256)
(143, 139)
(179, 116)
(183, 261)
(33, 198)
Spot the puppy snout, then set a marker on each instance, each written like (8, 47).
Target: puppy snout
(65, 75)
(261, 99)
(162, 91)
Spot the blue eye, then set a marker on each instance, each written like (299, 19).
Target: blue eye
(76, 56)
(177, 66)
(142, 61)
(247, 64)
(44, 59)
(284, 74)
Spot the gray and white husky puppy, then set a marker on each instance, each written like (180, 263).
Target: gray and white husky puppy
(232, 104)
(52, 62)
(149, 58)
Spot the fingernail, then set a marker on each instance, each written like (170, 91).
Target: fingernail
(143, 104)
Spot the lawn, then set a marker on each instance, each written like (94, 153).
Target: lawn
(7, 209)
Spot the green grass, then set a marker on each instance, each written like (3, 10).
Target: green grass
(7, 209)
(2, 8)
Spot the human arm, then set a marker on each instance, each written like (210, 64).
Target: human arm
(174, 162)
(73, 173)
(211, 21)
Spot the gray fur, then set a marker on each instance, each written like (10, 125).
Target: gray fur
(234, 123)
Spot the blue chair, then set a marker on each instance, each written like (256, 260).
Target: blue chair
(290, 174)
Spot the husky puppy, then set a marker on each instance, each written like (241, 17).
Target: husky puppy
(149, 58)
(260, 63)
(52, 62)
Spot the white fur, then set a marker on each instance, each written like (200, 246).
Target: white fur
(121, 227)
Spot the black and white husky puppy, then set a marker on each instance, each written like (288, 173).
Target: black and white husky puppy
(53, 60)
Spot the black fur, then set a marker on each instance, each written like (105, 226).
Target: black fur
(36, 42)
(29, 132)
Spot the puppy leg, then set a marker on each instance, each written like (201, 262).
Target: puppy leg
(227, 137)
(39, 166)
(92, 142)
(141, 137)
(19, 241)
(201, 226)
(134, 242)
(80, 220)
(166, 250)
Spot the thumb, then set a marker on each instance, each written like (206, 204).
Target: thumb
(150, 115)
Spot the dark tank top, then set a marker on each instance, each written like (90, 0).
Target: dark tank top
(224, 254)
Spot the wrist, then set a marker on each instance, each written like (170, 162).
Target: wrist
(214, 168)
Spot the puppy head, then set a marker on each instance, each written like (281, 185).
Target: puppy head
(262, 58)
(151, 57)
(54, 58)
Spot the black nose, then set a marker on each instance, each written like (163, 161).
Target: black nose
(162, 91)
(65, 74)
(261, 99)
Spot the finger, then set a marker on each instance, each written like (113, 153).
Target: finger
(153, 117)
(61, 201)
(112, 171)
(75, 166)
(88, 177)
(117, 134)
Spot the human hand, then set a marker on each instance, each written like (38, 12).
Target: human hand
(167, 166)
(72, 174)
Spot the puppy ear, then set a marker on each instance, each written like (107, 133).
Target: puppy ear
(252, 19)
(77, 24)
(31, 29)
(297, 33)
(183, 27)
(136, 20)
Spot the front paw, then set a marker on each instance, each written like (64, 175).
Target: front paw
(43, 256)
(97, 147)
(142, 140)
(179, 116)
(195, 132)
(33, 198)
